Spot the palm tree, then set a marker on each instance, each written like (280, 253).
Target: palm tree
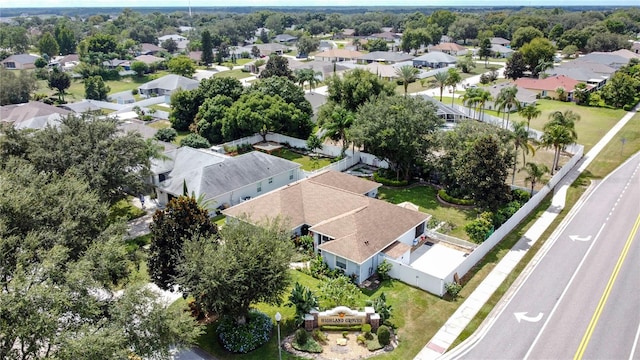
(530, 112)
(567, 119)
(535, 173)
(507, 99)
(337, 126)
(453, 80)
(470, 99)
(304, 75)
(356, 43)
(557, 137)
(442, 80)
(407, 74)
(483, 97)
(562, 93)
(521, 140)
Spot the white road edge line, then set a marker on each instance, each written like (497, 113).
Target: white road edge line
(635, 343)
(564, 292)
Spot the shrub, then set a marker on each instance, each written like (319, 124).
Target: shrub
(345, 334)
(341, 328)
(319, 336)
(366, 328)
(504, 213)
(374, 344)
(361, 339)
(195, 141)
(520, 196)
(301, 336)
(381, 307)
(453, 288)
(311, 346)
(134, 92)
(244, 338)
(450, 199)
(383, 269)
(384, 335)
(388, 182)
(166, 134)
(480, 228)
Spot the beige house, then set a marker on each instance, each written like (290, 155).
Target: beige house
(20, 62)
(352, 230)
(336, 55)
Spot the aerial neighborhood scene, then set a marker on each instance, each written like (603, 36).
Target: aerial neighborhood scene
(326, 181)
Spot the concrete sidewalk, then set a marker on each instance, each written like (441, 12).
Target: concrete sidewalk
(454, 326)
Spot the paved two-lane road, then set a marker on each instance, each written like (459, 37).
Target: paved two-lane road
(582, 297)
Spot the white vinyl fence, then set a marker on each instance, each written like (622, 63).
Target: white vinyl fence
(415, 277)
(510, 224)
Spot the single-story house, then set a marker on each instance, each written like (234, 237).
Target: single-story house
(166, 85)
(175, 37)
(66, 62)
(285, 38)
(272, 48)
(444, 111)
(32, 115)
(524, 96)
(605, 58)
(322, 68)
(635, 47)
(337, 55)
(222, 180)
(627, 54)
(387, 36)
(351, 229)
(501, 51)
(115, 63)
(20, 62)
(383, 71)
(324, 46)
(195, 56)
(130, 124)
(548, 86)
(449, 48)
(386, 57)
(149, 59)
(82, 106)
(434, 60)
(499, 41)
(591, 73)
(149, 49)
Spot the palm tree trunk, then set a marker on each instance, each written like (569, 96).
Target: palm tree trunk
(515, 165)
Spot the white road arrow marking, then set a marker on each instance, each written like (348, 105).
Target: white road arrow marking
(578, 238)
(523, 316)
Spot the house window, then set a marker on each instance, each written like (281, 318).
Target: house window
(324, 239)
(259, 189)
(341, 263)
(291, 175)
(270, 180)
(10, 65)
(419, 230)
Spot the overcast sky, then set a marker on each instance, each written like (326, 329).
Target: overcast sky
(416, 3)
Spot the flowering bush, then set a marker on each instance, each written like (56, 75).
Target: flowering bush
(244, 338)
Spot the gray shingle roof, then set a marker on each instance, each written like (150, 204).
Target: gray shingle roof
(437, 56)
(240, 171)
(21, 58)
(171, 82)
(18, 113)
(386, 56)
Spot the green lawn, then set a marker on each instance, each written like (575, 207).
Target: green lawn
(425, 198)
(594, 121)
(615, 152)
(124, 209)
(160, 124)
(307, 162)
(236, 74)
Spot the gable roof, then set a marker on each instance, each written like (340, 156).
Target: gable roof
(21, 59)
(438, 57)
(549, 84)
(629, 54)
(523, 95)
(24, 115)
(148, 59)
(183, 161)
(497, 48)
(360, 226)
(171, 82)
(447, 46)
(81, 106)
(174, 37)
(606, 58)
(284, 38)
(499, 41)
(382, 70)
(386, 56)
(346, 182)
(149, 48)
(218, 174)
(386, 35)
(443, 109)
(340, 53)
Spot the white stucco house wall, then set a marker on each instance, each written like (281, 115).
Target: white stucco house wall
(222, 180)
(352, 230)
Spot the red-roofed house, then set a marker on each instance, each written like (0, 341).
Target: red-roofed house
(548, 86)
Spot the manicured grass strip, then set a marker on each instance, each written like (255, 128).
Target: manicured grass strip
(307, 162)
(425, 197)
(236, 74)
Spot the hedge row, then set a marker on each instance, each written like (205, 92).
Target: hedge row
(450, 199)
(389, 182)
